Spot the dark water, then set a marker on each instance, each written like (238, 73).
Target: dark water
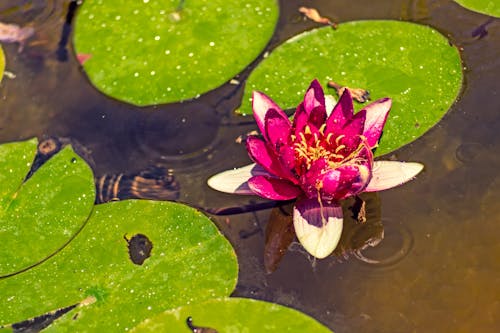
(440, 266)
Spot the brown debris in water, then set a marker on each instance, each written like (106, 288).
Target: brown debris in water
(359, 209)
(358, 94)
(313, 15)
(13, 33)
(240, 139)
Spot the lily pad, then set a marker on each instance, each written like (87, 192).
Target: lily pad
(2, 63)
(232, 315)
(150, 52)
(488, 7)
(38, 216)
(412, 64)
(185, 260)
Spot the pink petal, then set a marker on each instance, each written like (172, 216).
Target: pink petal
(263, 155)
(287, 157)
(300, 119)
(317, 116)
(388, 174)
(273, 188)
(310, 178)
(314, 97)
(353, 130)
(345, 181)
(318, 226)
(277, 129)
(376, 116)
(261, 104)
(342, 112)
(235, 180)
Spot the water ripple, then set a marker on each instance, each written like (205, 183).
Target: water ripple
(398, 241)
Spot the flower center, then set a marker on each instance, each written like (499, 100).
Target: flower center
(311, 146)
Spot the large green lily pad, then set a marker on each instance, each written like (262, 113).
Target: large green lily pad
(233, 315)
(39, 216)
(488, 7)
(190, 261)
(413, 64)
(2, 63)
(149, 51)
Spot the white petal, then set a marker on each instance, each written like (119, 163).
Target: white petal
(318, 227)
(330, 102)
(235, 181)
(388, 174)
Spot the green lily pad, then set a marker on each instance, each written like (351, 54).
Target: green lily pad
(2, 63)
(184, 259)
(413, 64)
(150, 52)
(39, 216)
(488, 7)
(233, 315)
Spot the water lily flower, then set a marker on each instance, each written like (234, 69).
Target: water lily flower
(323, 156)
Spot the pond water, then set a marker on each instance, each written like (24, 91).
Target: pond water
(436, 269)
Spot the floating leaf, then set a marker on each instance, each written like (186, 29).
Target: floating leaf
(189, 261)
(151, 52)
(232, 315)
(412, 64)
(488, 7)
(39, 215)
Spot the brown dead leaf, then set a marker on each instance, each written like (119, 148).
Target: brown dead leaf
(313, 15)
(358, 94)
(242, 138)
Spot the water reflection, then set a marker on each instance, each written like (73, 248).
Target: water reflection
(357, 234)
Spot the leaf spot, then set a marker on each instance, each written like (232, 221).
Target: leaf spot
(139, 248)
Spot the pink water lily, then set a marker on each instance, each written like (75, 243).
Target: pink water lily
(323, 156)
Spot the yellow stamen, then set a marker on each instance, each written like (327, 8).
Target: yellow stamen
(329, 137)
(339, 148)
(322, 129)
(340, 137)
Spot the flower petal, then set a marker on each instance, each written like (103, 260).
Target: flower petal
(388, 174)
(345, 181)
(352, 131)
(317, 116)
(310, 177)
(261, 104)
(330, 102)
(376, 116)
(277, 129)
(342, 112)
(235, 180)
(273, 188)
(314, 96)
(262, 154)
(318, 226)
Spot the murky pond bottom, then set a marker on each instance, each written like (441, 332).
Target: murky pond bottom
(436, 269)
